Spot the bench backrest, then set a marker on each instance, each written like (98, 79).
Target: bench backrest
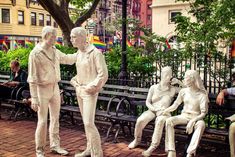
(4, 78)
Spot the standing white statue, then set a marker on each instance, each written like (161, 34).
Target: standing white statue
(91, 76)
(159, 98)
(43, 78)
(195, 100)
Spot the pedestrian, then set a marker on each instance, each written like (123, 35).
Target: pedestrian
(220, 101)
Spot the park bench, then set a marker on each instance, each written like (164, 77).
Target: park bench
(69, 104)
(15, 103)
(129, 108)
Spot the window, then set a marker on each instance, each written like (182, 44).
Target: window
(33, 19)
(5, 15)
(55, 25)
(149, 17)
(173, 14)
(20, 17)
(41, 20)
(48, 20)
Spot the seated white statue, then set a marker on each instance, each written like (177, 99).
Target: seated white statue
(195, 100)
(159, 98)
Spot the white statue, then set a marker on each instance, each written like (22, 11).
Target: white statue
(159, 98)
(43, 78)
(91, 76)
(220, 101)
(195, 100)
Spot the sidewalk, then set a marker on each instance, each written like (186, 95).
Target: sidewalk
(17, 140)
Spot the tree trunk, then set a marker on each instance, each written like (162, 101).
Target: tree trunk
(59, 11)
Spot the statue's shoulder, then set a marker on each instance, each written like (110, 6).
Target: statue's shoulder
(36, 51)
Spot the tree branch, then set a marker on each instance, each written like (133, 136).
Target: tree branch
(87, 14)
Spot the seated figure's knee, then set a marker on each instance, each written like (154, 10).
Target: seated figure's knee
(232, 128)
(200, 124)
(160, 120)
(140, 120)
(169, 122)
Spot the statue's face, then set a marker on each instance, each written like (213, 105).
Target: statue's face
(166, 76)
(77, 41)
(188, 79)
(50, 39)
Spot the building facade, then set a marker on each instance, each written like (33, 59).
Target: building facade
(21, 22)
(163, 12)
(108, 10)
(146, 13)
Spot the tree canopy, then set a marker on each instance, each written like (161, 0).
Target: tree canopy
(214, 25)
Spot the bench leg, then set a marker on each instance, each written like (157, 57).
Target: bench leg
(108, 132)
(116, 135)
(17, 113)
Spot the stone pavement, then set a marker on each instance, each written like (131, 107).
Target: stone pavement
(17, 140)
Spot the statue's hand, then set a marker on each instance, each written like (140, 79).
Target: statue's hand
(165, 112)
(74, 83)
(90, 89)
(189, 127)
(174, 81)
(35, 104)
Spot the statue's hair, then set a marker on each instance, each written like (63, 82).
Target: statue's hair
(194, 75)
(79, 31)
(167, 69)
(48, 30)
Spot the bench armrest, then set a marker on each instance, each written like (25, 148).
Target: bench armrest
(110, 102)
(122, 102)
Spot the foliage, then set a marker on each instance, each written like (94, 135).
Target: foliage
(138, 64)
(211, 28)
(67, 71)
(21, 54)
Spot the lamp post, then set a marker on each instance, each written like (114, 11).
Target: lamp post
(123, 74)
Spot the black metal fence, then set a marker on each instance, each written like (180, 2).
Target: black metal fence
(215, 72)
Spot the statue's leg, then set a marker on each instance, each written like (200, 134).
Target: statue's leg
(170, 133)
(141, 122)
(41, 130)
(157, 134)
(198, 132)
(232, 139)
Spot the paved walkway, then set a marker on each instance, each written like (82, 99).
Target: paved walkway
(17, 140)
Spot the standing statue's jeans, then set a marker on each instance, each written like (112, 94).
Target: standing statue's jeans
(183, 119)
(232, 139)
(87, 105)
(49, 96)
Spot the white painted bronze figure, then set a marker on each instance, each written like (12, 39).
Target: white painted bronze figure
(91, 76)
(159, 98)
(195, 107)
(43, 78)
